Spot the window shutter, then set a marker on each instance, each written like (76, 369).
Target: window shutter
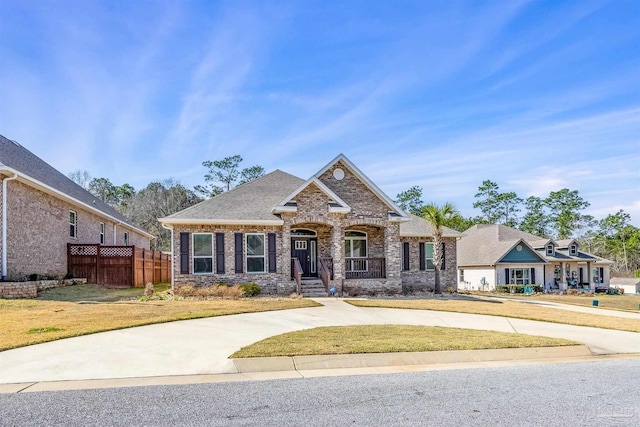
(506, 276)
(184, 253)
(533, 276)
(220, 253)
(443, 257)
(422, 260)
(272, 252)
(238, 251)
(601, 275)
(405, 256)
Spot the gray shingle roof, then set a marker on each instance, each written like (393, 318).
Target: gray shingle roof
(418, 227)
(485, 244)
(248, 202)
(18, 158)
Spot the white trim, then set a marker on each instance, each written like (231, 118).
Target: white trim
(74, 223)
(172, 252)
(125, 238)
(199, 221)
(50, 190)
(4, 224)
(359, 174)
(365, 237)
(102, 232)
(193, 254)
(281, 207)
(520, 242)
(247, 256)
(426, 264)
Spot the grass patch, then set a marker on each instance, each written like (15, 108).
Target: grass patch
(19, 319)
(508, 308)
(89, 292)
(389, 339)
(609, 302)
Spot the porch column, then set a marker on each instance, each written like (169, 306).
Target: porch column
(589, 275)
(563, 275)
(392, 251)
(337, 253)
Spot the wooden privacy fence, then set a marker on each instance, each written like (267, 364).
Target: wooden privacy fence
(118, 266)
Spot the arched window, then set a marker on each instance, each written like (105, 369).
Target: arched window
(303, 232)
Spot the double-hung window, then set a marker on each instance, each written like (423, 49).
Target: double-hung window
(102, 233)
(355, 246)
(573, 250)
(73, 224)
(550, 250)
(202, 253)
(126, 238)
(255, 253)
(428, 255)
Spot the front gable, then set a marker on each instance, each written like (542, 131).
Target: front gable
(312, 197)
(522, 253)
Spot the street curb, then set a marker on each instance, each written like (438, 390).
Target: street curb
(375, 360)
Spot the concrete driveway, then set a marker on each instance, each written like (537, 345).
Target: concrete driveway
(202, 346)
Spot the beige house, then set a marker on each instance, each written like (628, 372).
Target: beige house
(43, 210)
(491, 254)
(336, 231)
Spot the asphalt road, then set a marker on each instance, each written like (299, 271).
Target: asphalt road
(578, 394)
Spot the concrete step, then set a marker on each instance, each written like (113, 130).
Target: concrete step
(313, 288)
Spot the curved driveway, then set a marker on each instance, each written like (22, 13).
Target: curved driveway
(202, 346)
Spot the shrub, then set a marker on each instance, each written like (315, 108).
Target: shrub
(294, 295)
(572, 292)
(451, 289)
(251, 289)
(518, 289)
(148, 290)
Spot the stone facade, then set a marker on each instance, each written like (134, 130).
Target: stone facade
(16, 290)
(38, 232)
(369, 214)
(416, 280)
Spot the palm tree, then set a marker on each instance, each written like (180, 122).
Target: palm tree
(438, 217)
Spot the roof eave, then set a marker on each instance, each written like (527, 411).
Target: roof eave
(169, 220)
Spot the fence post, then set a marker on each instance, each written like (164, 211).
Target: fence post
(98, 276)
(133, 266)
(153, 266)
(69, 263)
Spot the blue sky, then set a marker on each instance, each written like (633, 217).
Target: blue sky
(535, 95)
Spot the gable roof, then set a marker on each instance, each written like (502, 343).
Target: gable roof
(336, 205)
(419, 227)
(487, 244)
(396, 213)
(249, 203)
(35, 172)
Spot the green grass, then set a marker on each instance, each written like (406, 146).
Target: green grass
(609, 302)
(95, 293)
(389, 339)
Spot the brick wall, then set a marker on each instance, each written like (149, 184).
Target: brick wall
(416, 280)
(38, 232)
(16, 290)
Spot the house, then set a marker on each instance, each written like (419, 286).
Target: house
(490, 255)
(43, 210)
(630, 285)
(336, 230)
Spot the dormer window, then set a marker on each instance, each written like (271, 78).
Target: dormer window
(550, 250)
(573, 250)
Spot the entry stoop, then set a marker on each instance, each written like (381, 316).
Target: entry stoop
(313, 289)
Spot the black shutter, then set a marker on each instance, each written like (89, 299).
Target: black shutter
(405, 256)
(421, 246)
(238, 251)
(272, 252)
(220, 253)
(184, 253)
(533, 276)
(506, 276)
(443, 257)
(601, 275)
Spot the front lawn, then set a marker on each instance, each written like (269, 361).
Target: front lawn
(89, 292)
(610, 302)
(68, 312)
(506, 308)
(389, 339)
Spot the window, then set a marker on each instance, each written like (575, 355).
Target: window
(550, 250)
(428, 256)
(519, 276)
(73, 224)
(202, 253)
(126, 238)
(102, 233)
(355, 244)
(573, 250)
(255, 253)
(461, 275)
(303, 232)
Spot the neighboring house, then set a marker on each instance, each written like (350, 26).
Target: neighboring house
(491, 254)
(43, 210)
(630, 285)
(337, 227)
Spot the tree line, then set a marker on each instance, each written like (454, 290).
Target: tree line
(559, 216)
(163, 198)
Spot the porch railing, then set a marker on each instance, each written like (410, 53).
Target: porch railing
(326, 272)
(296, 268)
(365, 268)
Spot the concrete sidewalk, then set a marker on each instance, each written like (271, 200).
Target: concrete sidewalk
(202, 346)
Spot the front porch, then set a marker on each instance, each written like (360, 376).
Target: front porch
(580, 276)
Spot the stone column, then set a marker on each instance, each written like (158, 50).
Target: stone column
(337, 253)
(392, 251)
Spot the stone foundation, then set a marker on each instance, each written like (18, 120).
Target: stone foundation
(371, 287)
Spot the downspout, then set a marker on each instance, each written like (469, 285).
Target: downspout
(115, 236)
(4, 225)
(172, 259)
